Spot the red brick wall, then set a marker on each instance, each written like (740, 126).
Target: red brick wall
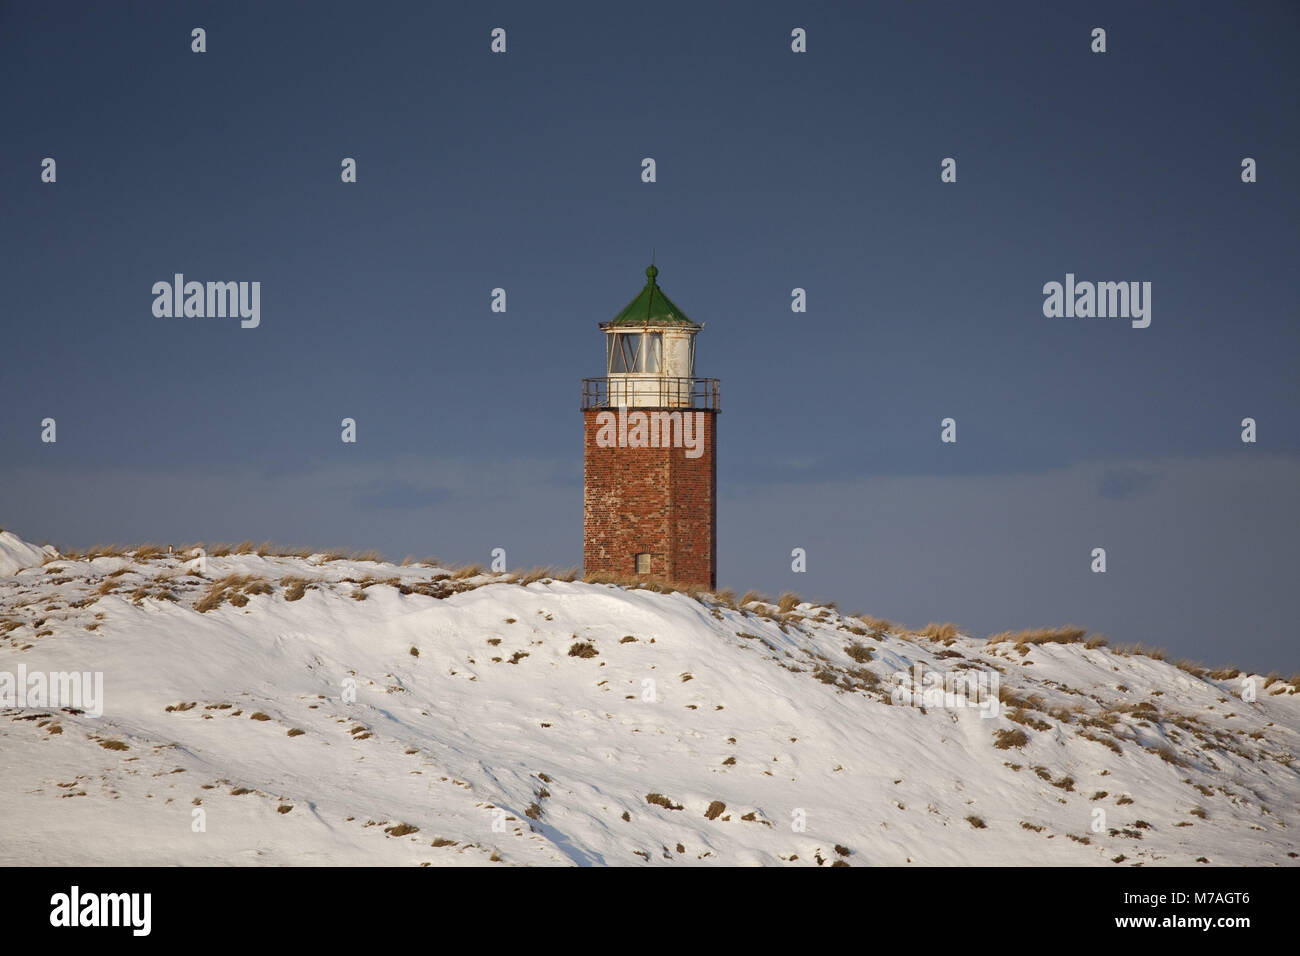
(653, 500)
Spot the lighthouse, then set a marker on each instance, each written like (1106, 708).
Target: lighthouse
(650, 506)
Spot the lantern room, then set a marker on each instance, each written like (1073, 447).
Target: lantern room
(650, 351)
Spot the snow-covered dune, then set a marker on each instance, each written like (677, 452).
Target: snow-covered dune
(15, 553)
(315, 711)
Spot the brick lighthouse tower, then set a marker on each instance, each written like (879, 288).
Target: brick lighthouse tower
(650, 503)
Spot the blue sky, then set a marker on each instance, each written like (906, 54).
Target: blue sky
(775, 170)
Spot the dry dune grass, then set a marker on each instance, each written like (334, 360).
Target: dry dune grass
(1006, 739)
(338, 554)
(1139, 649)
(1107, 742)
(604, 577)
(1040, 635)
(939, 632)
(1195, 668)
(104, 551)
(294, 587)
(1012, 698)
(859, 652)
(217, 549)
(98, 551)
(221, 549)
(235, 588)
(877, 626)
(788, 601)
(268, 549)
(1073, 635)
(646, 582)
(540, 573)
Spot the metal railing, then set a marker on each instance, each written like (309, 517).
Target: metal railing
(651, 391)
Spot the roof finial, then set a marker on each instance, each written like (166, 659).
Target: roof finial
(652, 271)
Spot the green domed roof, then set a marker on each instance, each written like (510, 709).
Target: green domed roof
(652, 307)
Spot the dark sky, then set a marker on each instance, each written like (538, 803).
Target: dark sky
(775, 170)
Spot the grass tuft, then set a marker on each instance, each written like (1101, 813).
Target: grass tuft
(1006, 739)
(1041, 635)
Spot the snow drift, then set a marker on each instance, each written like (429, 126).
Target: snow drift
(286, 710)
(16, 554)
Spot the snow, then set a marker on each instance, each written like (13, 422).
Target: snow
(16, 554)
(708, 703)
